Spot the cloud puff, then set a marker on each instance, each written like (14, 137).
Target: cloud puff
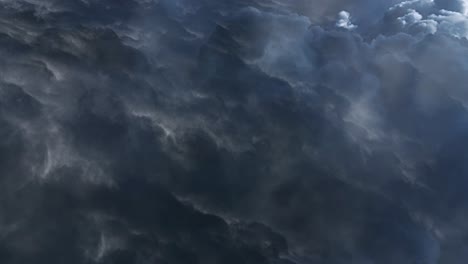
(344, 20)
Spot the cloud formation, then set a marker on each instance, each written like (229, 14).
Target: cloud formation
(233, 131)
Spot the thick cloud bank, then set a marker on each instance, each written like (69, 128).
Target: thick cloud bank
(233, 131)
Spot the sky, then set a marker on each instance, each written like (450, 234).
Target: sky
(233, 131)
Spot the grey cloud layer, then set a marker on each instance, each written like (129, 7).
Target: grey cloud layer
(233, 131)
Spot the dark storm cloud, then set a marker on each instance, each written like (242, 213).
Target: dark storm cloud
(233, 131)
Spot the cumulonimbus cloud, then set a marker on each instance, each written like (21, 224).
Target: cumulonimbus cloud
(233, 131)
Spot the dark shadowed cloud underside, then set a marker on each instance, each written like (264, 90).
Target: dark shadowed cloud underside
(233, 131)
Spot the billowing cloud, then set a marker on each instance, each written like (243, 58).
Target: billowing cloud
(233, 131)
